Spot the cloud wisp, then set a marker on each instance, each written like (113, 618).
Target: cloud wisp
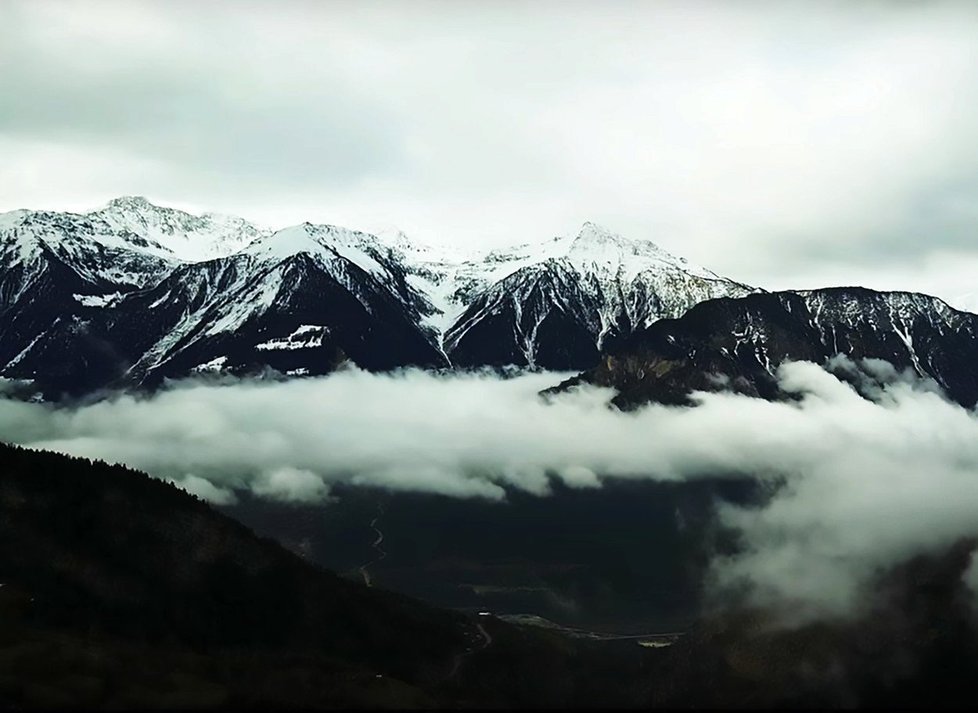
(859, 482)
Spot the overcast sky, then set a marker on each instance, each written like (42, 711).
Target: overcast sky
(786, 144)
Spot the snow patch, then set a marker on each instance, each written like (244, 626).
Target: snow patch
(211, 366)
(98, 300)
(306, 336)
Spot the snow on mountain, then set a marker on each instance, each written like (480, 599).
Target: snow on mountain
(94, 251)
(305, 336)
(133, 294)
(164, 289)
(240, 311)
(176, 234)
(602, 281)
(337, 248)
(325, 243)
(589, 288)
(133, 223)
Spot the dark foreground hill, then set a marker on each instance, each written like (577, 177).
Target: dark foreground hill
(915, 647)
(121, 590)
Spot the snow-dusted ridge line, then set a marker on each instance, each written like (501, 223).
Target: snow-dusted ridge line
(446, 279)
(180, 291)
(133, 294)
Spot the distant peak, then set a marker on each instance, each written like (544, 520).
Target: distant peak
(395, 237)
(594, 231)
(306, 237)
(596, 237)
(130, 202)
(592, 234)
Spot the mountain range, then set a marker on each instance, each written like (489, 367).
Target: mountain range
(119, 589)
(134, 294)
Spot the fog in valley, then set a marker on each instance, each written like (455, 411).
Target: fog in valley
(857, 481)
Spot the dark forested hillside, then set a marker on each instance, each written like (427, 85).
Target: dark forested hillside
(122, 590)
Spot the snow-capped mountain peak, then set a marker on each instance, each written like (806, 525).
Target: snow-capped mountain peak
(286, 243)
(324, 242)
(594, 234)
(594, 286)
(604, 247)
(17, 244)
(168, 291)
(181, 235)
(129, 203)
(599, 246)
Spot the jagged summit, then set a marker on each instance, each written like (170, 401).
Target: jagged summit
(594, 234)
(594, 247)
(396, 239)
(594, 237)
(589, 288)
(329, 244)
(287, 242)
(129, 203)
(595, 240)
(182, 235)
(601, 246)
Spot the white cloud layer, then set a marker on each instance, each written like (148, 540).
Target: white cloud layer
(858, 484)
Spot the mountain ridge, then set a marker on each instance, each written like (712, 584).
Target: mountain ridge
(739, 343)
(151, 289)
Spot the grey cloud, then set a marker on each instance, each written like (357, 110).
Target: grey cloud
(208, 107)
(206, 490)
(857, 484)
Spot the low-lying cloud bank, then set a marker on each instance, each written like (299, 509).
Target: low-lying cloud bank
(862, 482)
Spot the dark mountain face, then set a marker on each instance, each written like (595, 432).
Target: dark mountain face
(738, 343)
(48, 335)
(580, 296)
(122, 591)
(71, 331)
(296, 317)
(119, 590)
(539, 316)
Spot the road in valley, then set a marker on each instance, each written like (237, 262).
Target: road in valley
(485, 641)
(379, 552)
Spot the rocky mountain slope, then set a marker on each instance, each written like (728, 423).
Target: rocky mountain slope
(558, 304)
(133, 293)
(738, 343)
